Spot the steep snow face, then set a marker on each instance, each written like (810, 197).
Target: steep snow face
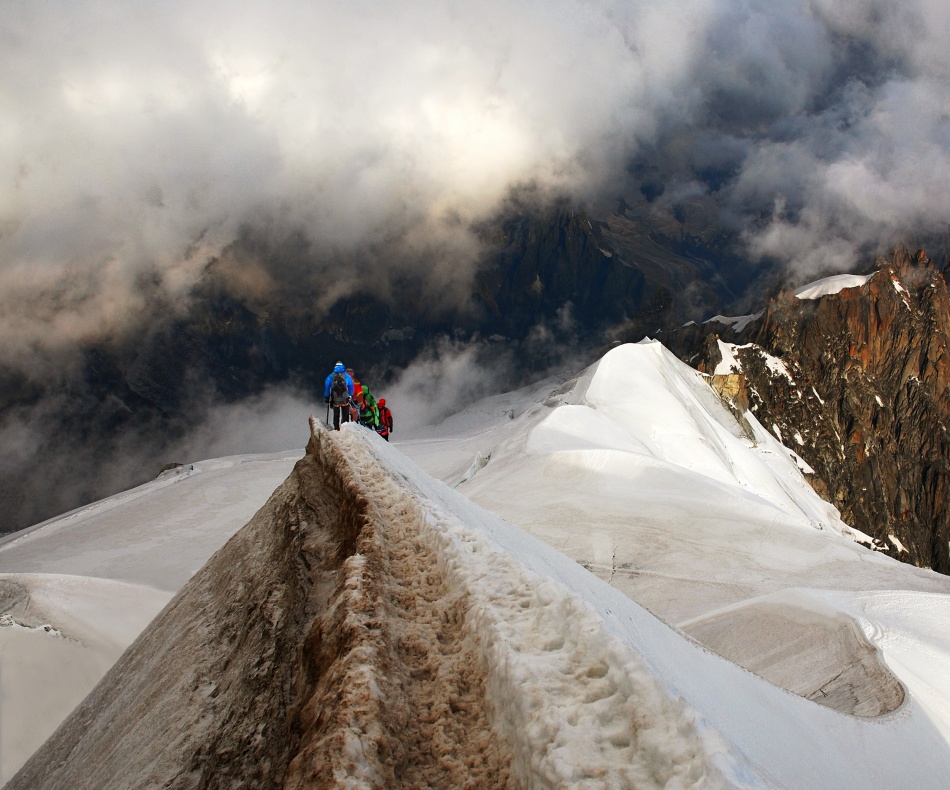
(642, 475)
(831, 285)
(673, 415)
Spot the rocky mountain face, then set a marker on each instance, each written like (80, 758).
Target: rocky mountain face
(632, 268)
(856, 382)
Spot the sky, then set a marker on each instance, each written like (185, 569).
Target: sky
(140, 140)
(611, 526)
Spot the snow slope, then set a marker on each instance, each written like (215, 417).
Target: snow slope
(158, 534)
(58, 636)
(637, 471)
(641, 475)
(765, 735)
(98, 575)
(693, 527)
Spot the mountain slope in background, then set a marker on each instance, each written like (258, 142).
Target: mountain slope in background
(854, 374)
(550, 282)
(365, 589)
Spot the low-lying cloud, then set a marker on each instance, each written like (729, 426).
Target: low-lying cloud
(44, 471)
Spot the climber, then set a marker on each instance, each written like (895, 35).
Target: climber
(357, 387)
(385, 419)
(357, 401)
(369, 413)
(338, 392)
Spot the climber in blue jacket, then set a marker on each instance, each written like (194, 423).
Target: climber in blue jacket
(338, 392)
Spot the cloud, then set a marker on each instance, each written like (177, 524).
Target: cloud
(44, 473)
(321, 148)
(270, 422)
(44, 470)
(447, 376)
(141, 142)
(301, 151)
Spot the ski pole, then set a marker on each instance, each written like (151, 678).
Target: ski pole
(328, 414)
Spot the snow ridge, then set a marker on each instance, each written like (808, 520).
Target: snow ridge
(359, 632)
(613, 724)
(829, 286)
(400, 699)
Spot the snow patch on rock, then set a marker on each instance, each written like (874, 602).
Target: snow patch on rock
(831, 285)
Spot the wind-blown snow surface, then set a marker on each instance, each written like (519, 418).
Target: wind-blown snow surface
(636, 471)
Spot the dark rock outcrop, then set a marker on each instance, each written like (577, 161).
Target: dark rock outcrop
(856, 383)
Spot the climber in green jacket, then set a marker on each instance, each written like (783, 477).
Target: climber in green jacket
(369, 410)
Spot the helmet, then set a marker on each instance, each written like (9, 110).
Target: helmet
(381, 401)
(338, 368)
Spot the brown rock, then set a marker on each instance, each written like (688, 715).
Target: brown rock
(870, 397)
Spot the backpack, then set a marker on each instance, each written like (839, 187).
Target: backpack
(339, 393)
(369, 414)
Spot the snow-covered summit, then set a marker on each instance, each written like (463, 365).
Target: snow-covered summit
(640, 474)
(642, 432)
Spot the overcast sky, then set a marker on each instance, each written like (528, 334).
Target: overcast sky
(137, 139)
